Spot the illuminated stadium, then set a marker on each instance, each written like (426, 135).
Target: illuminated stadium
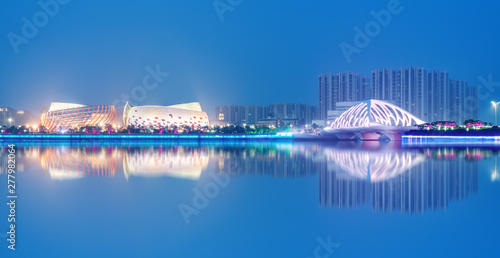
(73, 116)
(189, 114)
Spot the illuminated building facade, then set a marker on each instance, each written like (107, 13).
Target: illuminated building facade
(189, 114)
(64, 116)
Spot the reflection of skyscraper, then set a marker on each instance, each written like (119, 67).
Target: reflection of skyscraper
(430, 186)
(276, 160)
(341, 190)
(422, 186)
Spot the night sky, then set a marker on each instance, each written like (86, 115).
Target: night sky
(255, 52)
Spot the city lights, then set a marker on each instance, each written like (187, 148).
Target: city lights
(495, 104)
(451, 140)
(143, 137)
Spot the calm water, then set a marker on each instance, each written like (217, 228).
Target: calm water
(252, 199)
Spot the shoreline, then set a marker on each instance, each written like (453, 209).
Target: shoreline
(407, 139)
(82, 137)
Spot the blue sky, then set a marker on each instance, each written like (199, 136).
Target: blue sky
(92, 52)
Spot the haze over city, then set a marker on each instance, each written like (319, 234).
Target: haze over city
(253, 53)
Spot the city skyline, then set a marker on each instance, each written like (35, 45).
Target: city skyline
(237, 128)
(431, 95)
(273, 114)
(379, 87)
(219, 62)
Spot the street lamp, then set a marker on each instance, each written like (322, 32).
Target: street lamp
(495, 104)
(10, 121)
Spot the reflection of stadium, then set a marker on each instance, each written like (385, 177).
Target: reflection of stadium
(428, 185)
(71, 116)
(181, 162)
(72, 163)
(189, 114)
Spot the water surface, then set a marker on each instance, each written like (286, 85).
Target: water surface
(252, 199)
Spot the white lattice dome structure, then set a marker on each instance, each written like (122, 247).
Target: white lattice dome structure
(375, 112)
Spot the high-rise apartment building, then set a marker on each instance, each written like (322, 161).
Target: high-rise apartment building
(12, 117)
(341, 87)
(429, 95)
(252, 114)
(229, 114)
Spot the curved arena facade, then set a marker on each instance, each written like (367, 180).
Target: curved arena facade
(189, 114)
(73, 116)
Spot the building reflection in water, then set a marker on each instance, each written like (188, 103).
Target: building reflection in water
(383, 175)
(23, 155)
(175, 161)
(277, 160)
(407, 181)
(72, 163)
